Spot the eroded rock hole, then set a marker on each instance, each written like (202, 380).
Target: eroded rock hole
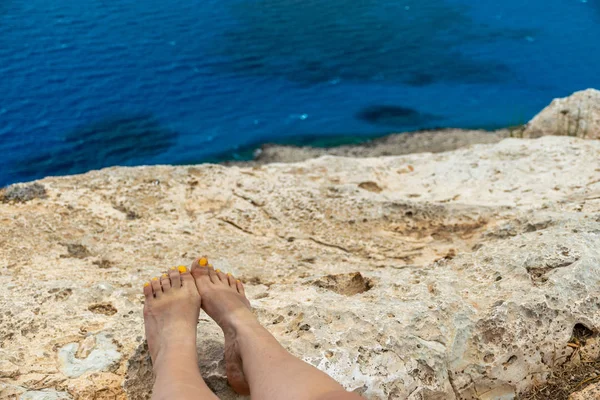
(346, 284)
(580, 334)
(76, 250)
(370, 186)
(103, 308)
(511, 360)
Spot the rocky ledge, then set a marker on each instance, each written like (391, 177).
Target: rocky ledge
(577, 115)
(471, 274)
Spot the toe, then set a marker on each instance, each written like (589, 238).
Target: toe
(240, 287)
(185, 275)
(231, 280)
(222, 277)
(156, 288)
(212, 274)
(148, 291)
(175, 277)
(201, 274)
(199, 263)
(165, 282)
(200, 268)
(182, 269)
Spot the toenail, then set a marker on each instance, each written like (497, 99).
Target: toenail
(182, 269)
(155, 279)
(218, 270)
(237, 280)
(146, 284)
(165, 275)
(173, 268)
(210, 265)
(203, 261)
(229, 274)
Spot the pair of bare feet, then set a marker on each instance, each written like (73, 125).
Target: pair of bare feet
(256, 363)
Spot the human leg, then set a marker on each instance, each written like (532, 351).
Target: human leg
(256, 362)
(171, 309)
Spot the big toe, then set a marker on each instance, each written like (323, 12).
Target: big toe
(201, 271)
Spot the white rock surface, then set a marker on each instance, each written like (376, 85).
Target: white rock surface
(100, 355)
(576, 115)
(591, 392)
(44, 395)
(446, 276)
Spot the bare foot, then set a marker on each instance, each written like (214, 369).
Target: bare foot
(252, 354)
(224, 300)
(171, 314)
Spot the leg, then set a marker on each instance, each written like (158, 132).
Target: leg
(256, 362)
(171, 310)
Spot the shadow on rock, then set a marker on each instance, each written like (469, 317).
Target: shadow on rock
(139, 377)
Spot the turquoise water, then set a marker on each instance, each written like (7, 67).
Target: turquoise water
(91, 83)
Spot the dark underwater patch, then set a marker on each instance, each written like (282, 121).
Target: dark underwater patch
(390, 115)
(118, 140)
(321, 41)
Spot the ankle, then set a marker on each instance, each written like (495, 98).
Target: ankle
(240, 320)
(176, 352)
(175, 362)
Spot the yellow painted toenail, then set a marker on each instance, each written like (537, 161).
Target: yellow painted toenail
(173, 268)
(210, 265)
(165, 275)
(229, 274)
(203, 261)
(218, 270)
(146, 284)
(237, 280)
(182, 269)
(155, 279)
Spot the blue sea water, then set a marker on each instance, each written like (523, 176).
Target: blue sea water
(91, 83)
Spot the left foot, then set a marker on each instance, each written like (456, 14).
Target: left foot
(171, 312)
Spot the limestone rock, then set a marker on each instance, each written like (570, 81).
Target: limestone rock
(94, 354)
(464, 275)
(434, 141)
(22, 193)
(577, 115)
(8, 369)
(45, 395)
(591, 392)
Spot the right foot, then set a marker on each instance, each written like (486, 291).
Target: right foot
(224, 300)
